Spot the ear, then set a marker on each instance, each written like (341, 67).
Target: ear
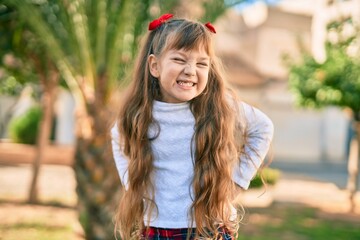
(153, 66)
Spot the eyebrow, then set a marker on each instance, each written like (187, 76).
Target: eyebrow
(184, 55)
(204, 58)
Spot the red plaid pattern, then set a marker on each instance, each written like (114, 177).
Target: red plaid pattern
(175, 234)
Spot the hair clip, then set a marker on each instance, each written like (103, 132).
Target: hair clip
(158, 22)
(210, 27)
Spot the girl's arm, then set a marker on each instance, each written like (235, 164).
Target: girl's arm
(121, 161)
(259, 133)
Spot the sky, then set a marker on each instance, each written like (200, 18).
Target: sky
(241, 6)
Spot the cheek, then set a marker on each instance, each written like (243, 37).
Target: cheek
(204, 77)
(203, 83)
(169, 72)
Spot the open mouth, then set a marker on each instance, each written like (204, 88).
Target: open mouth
(186, 83)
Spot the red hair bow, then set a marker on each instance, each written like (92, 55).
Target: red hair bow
(210, 27)
(158, 22)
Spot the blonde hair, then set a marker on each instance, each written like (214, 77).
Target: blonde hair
(216, 138)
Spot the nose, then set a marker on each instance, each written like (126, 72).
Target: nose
(189, 70)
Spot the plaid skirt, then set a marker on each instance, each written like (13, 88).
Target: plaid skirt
(176, 234)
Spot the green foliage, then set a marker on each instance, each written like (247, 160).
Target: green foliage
(336, 81)
(10, 86)
(16, 43)
(24, 128)
(212, 10)
(268, 175)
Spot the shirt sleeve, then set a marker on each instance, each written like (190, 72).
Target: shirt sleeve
(259, 132)
(121, 160)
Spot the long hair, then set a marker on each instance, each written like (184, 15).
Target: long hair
(216, 138)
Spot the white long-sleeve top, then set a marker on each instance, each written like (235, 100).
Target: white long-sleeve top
(173, 162)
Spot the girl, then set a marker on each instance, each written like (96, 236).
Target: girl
(182, 142)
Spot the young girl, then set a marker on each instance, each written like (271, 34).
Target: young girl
(182, 143)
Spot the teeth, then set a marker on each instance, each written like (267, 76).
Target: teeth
(188, 84)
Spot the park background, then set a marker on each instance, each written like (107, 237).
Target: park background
(255, 40)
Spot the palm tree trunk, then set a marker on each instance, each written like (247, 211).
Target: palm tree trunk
(98, 185)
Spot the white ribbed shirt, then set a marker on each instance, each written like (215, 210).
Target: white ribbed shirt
(173, 161)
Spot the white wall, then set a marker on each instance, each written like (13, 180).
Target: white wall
(65, 124)
(301, 135)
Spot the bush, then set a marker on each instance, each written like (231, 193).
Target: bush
(268, 175)
(24, 128)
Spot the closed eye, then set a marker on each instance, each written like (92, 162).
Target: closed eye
(203, 64)
(179, 60)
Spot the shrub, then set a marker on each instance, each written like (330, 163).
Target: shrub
(268, 175)
(24, 128)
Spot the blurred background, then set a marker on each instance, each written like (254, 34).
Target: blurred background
(64, 66)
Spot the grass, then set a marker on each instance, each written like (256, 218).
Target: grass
(35, 230)
(280, 221)
(298, 222)
(21, 221)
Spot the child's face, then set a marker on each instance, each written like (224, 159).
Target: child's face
(182, 75)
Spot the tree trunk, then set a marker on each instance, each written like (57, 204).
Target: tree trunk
(47, 103)
(353, 166)
(98, 185)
